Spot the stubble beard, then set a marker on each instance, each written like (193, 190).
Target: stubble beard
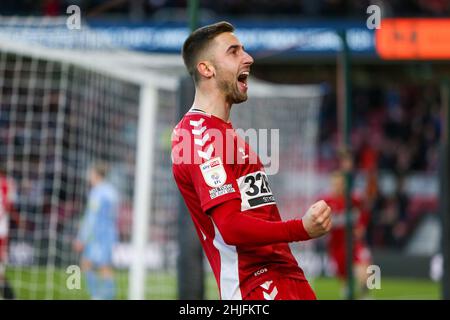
(231, 92)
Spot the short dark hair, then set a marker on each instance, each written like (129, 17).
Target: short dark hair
(198, 41)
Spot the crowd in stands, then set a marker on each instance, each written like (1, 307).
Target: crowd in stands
(301, 8)
(394, 131)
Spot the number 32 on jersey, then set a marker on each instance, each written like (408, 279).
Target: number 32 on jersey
(255, 190)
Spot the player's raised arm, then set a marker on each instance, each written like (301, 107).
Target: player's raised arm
(238, 228)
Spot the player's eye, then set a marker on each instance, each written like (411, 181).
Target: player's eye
(233, 51)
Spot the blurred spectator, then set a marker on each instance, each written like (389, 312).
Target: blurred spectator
(390, 225)
(337, 237)
(368, 157)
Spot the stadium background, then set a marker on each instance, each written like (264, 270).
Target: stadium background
(395, 133)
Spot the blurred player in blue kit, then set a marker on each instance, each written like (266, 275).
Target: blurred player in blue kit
(98, 234)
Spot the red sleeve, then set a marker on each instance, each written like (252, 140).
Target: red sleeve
(204, 177)
(238, 228)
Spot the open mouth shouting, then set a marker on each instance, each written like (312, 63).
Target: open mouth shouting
(242, 80)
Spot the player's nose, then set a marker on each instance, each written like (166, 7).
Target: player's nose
(248, 59)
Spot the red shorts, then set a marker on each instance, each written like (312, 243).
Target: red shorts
(361, 255)
(282, 289)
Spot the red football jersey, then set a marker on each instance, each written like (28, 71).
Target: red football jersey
(337, 205)
(212, 165)
(5, 203)
(337, 243)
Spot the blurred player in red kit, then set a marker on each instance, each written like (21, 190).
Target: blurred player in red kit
(336, 237)
(6, 210)
(224, 184)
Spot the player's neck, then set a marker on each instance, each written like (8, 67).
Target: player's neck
(212, 102)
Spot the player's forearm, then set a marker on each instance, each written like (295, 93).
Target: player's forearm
(237, 228)
(245, 230)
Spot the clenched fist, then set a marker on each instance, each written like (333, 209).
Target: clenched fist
(317, 220)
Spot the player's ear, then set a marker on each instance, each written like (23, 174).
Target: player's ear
(206, 69)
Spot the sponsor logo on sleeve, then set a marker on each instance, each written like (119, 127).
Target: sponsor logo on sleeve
(220, 191)
(214, 173)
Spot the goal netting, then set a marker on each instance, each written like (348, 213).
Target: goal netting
(62, 110)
